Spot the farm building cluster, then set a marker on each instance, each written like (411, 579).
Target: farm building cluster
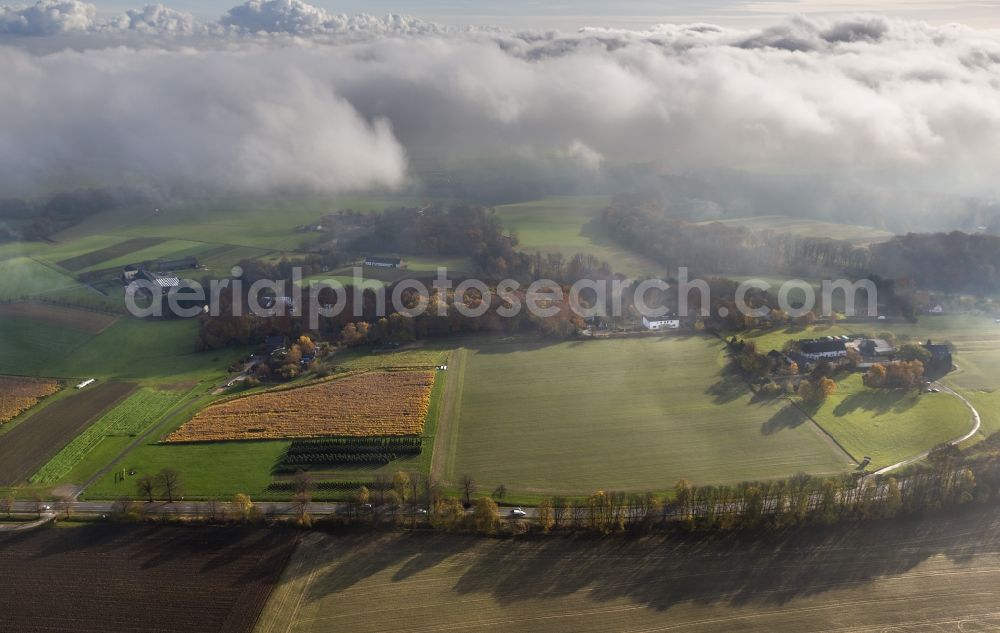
(863, 351)
(158, 273)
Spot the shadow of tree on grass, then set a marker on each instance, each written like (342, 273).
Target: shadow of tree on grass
(877, 402)
(789, 417)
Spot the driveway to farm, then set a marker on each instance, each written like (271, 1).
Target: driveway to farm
(976, 419)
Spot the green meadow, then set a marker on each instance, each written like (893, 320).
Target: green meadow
(890, 425)
(630, 414)
(570, 226)
(809, 228)
(25, 277)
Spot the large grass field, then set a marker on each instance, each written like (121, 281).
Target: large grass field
(977, 377)
(890, 426)
(571, 225)
(34, 348)
(265, 222)
(810, 228)
(146, 351)
(170, 249)
(25, 277)
(141, 350)
(632, 414)
(936, 574)
(207, 470)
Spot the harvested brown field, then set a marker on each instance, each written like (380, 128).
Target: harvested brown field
(374, 403)
(929, 575)
(17, 395)
(59, 316)
(34, 441)
(109, 252)
(102, 578)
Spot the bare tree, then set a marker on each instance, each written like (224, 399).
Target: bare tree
(303, 482)
(401, 485)
(500, 493)
(169, 481)
(123, 508)
(392, 503)
(301, 502)
(431, 492)
(381, 483)
(559, 507)
(146, 485)
(7, 506)
(578, 513)
(213, 509)
(36, 500)
(468, 488)
(416, 485)
(65, 503)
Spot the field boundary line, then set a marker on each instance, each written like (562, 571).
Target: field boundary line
(56, 268)
(823, 431)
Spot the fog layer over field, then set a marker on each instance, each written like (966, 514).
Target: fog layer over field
(278, 93)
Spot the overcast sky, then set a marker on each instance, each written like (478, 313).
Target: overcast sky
(571, 14)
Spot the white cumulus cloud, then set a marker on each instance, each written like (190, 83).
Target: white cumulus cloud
(299, 18)
(154, 18)
(47, 17)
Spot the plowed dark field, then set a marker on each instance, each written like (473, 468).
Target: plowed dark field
(124, 579)
(33, 442)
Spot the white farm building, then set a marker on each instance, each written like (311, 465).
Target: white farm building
(660, 323)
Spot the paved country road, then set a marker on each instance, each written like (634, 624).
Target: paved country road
(200, 508)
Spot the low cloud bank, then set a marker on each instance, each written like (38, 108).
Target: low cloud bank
(279, 93)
